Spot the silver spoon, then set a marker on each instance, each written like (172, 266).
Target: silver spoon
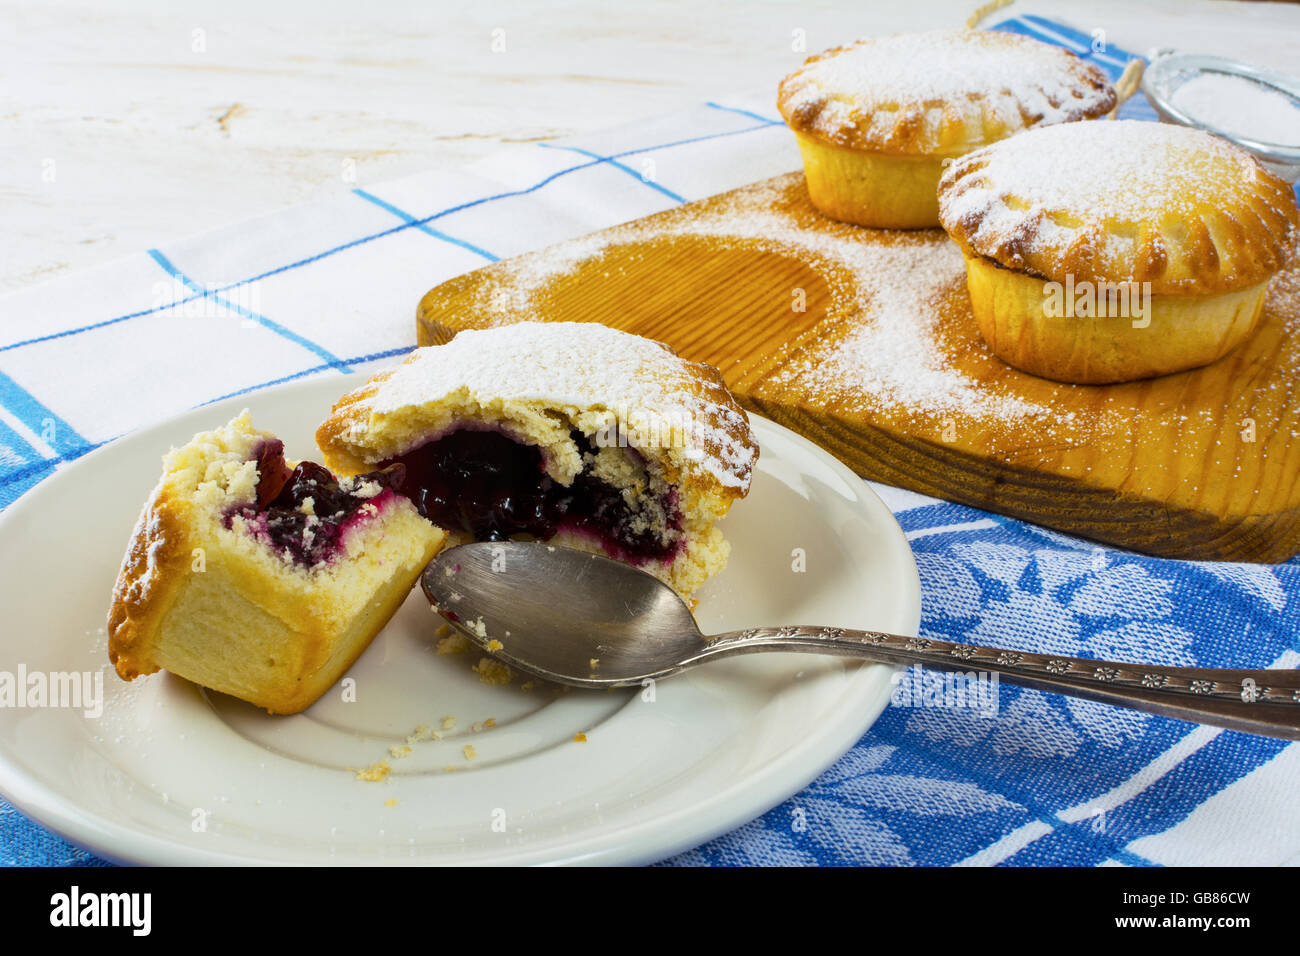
(588, 621)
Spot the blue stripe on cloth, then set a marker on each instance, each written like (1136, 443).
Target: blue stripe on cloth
(427, 230)
(1074, 844)
(14, 486)
(52, 429)
(15, 450)
(18, 480)
(23, 844)
(94, 325)
(15, 483)
(356, 360)
(1116, 56)
(617, 165)
(280, 330)
(21, 465)
(378, 235)
(752, 115)
(940, 513)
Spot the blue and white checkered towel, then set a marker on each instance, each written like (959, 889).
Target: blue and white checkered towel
(329, 287)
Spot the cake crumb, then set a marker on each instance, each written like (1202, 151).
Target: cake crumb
(470, 752)
(527, 685)
(398, 751)
(453, 643)
(594, 663)
(580, 738)
(390, 802)
(494, 645)
(448, 722)
(375, 772)
(422, 732)
(493, 673)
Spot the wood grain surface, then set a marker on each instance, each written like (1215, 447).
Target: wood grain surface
(1201, 464)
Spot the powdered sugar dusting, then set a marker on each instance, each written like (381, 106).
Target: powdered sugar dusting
(514, 299)
(585, 366)
(1284, 291)
(876, 87)
(1125, 201)
(148, 542)
(883, 351)
(1127, 170)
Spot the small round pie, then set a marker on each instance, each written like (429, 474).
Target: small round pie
(1107, 252)
(876, 120)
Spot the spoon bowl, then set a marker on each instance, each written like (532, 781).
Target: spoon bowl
(563, 615)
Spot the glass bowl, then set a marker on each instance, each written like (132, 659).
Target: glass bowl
(1170, 69)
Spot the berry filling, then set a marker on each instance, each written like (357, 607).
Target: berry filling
(312, 534)
(487, 484)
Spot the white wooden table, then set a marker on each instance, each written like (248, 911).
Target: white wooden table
(127, 128)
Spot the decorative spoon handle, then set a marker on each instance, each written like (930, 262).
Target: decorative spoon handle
(1257, 701)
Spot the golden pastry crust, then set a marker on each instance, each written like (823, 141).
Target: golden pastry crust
(871, 189)
(1173, 332)
(940, 93)
(157, 559)
(1124, 201)
(218, 607)
(539, 382)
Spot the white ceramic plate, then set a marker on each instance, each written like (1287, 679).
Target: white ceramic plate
(172, 774)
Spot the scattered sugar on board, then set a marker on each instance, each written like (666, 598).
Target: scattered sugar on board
(890, 359)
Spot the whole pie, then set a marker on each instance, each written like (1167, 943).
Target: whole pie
(876, 120)
(260, 577)
(1103, 252)
(567, 432)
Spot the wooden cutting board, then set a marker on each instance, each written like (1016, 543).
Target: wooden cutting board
(863, 341)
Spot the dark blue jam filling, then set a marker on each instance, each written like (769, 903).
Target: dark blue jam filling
(281, 492)
(487, 484)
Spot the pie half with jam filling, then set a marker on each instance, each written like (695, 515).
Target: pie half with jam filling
(567, 432)
(259, 577)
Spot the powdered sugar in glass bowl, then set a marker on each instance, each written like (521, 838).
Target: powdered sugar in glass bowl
(1256, 108)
